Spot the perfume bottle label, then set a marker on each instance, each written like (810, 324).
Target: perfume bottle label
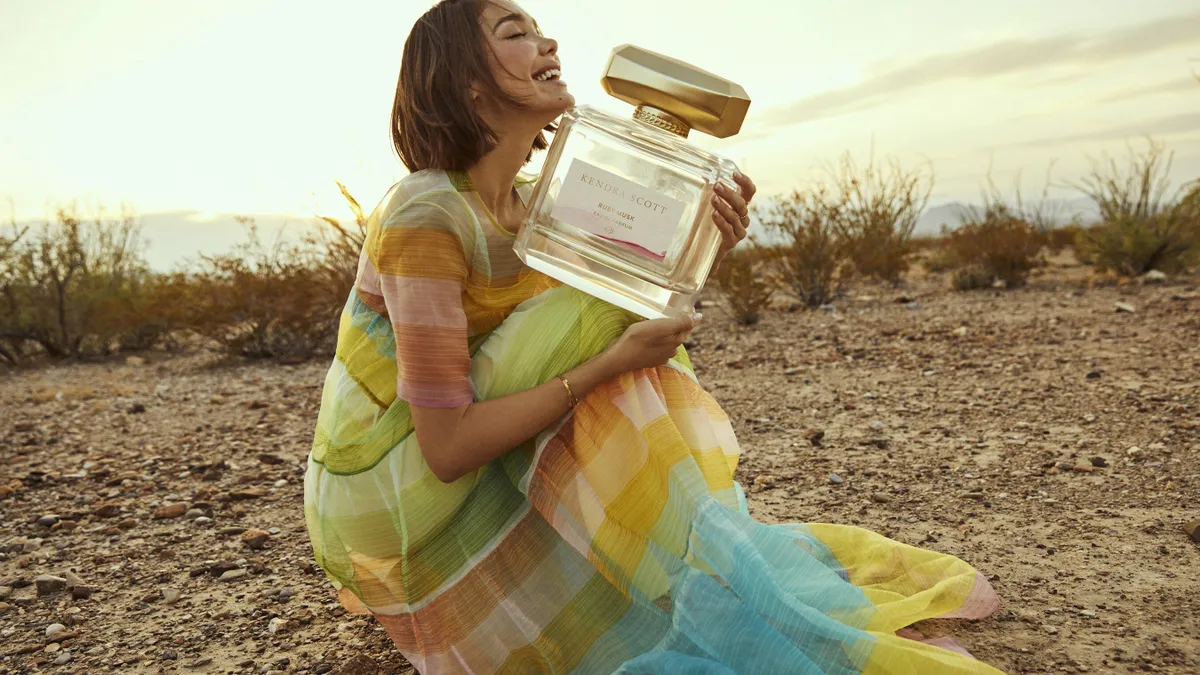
(618, 209)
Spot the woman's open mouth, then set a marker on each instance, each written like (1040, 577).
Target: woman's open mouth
(548, 75)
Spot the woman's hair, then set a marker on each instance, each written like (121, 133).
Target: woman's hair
(434, 121)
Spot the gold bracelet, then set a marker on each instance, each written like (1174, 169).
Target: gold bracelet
(571, 400)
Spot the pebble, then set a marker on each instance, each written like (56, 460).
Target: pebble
(170, 596)
(1088, 613)
(47, 520)
(976, 495)
(913, 305)
(233, 575)
(276, 624)
(48, 584)
(170, 511)
(1193, 530)
(880, 498)
(1135, 451)
(52, 647)
(815, 436)
(274, 531)
(247, 493)
(322, 668)
(254, 538)
(281, 482)
(81, 592)
(1125, 307)
(836, 479)
(169, 655)
(203, 521)
(62, 658)
(128, 524)
(878, 426)
(95, 651)
(5, 592)
(54, 629)
(193, 514)
(137, 409)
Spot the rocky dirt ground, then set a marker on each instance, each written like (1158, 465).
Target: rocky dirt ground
(151, 520)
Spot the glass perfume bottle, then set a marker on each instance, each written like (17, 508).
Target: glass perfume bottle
(623, 207)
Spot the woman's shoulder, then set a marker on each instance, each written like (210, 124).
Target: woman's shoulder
(427, 198)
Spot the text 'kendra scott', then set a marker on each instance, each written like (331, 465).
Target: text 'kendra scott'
(615, 190)
(618, 209)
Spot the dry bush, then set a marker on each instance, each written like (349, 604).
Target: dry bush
(263, 301)
(745, 284)
(971, 278)
(879, 208)
(75, 288)
(1144, 225)
(813, 259)
(1060, 239)
(998, 242)
(940, 260)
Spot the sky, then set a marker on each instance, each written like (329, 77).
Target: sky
(259, 106)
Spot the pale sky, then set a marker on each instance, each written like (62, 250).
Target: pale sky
(258, 106)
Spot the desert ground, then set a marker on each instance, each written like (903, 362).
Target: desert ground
(1049, 435)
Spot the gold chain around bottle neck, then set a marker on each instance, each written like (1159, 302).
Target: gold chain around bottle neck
(661, 119)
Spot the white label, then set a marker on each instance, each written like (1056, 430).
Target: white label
(618, 209)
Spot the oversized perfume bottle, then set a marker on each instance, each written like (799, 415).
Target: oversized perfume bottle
(623, 207)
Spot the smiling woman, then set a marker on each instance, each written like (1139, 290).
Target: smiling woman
(515, 477)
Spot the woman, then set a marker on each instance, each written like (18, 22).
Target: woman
(512, 476)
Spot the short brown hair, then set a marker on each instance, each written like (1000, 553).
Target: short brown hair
(434, 121)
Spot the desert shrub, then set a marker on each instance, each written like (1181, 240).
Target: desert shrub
(971, 278)
(939, 260)
(75, 288)
(263, 301)
(1061, 238)
(879, 208)
(1143, 225)
(812, 261)
(997, 242)
(744, 282)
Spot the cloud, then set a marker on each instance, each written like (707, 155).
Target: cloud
(1188, 84)
(1164, 126)
(994, 60)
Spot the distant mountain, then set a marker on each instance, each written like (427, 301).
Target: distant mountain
(951, 214)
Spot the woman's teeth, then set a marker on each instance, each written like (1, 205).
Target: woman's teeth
(552, 74)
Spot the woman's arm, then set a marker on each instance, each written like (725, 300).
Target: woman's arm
(456, 441)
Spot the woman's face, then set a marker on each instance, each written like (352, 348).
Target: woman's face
(525, 63)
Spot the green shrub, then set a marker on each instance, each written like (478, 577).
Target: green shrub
(1144, 225)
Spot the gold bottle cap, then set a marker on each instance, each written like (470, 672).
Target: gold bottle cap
(674, 95)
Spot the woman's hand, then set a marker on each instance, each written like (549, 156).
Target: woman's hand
(731, 214)
(648, 344)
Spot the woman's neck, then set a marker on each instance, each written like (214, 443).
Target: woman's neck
(494, 174)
